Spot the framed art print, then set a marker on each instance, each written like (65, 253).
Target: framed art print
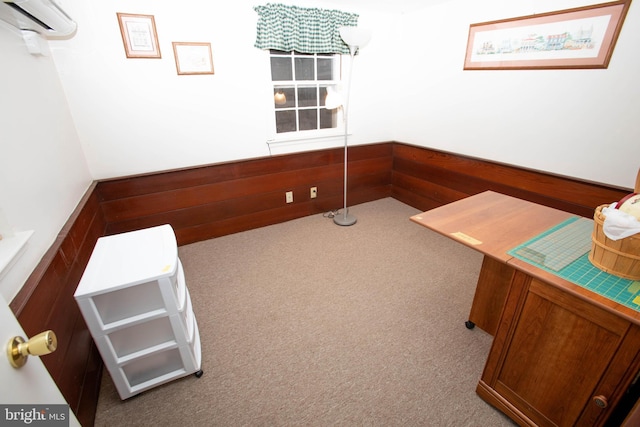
(575, 38)
(193, 58)
(139, 35)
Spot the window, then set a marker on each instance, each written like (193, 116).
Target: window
(300, 82)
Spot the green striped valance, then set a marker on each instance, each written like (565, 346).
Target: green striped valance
(306, 30)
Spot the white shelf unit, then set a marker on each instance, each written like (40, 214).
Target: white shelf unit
(134, 299)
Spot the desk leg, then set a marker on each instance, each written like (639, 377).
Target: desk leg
(491, 293)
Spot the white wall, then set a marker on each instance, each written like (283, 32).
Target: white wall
(43, 174)
(138, 115)
(580, 123)
(408, 85)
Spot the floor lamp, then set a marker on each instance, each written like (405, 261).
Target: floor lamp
(355, 38)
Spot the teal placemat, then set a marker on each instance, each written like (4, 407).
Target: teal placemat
(563, 250)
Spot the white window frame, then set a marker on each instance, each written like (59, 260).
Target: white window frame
(306, 135)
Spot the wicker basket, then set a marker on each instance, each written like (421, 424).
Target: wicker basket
(617, 257)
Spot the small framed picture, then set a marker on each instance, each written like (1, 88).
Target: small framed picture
(139, 35)
(193, 58)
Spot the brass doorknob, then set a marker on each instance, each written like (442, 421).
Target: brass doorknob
(18, 349)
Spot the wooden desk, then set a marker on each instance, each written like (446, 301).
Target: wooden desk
(491, 223)
(562, 355)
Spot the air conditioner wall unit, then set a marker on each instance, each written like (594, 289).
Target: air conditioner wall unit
(43, 16)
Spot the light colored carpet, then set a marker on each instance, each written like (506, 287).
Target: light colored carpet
(308, 323)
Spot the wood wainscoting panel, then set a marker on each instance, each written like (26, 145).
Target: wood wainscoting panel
(46, 302)
(211, 201)
(426, 178)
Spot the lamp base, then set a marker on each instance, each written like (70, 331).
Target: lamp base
(344, 220)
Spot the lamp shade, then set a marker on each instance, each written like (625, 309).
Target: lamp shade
(333, 99)
(355, 36)
(280, 98)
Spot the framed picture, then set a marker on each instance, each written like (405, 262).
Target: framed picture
(139, 35)
(575, 38)
(193, 58)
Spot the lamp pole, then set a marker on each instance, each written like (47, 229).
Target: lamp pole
(355, 38)
(346, 219)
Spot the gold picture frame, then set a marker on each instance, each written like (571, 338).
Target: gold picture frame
(139, 35)
(193, 58)
(583, 37)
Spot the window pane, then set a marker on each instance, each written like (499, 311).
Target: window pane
(309, 119)
(285, 121)
(307, 97)
(304, 69)
(325, 69)
(300, 83)
(281, 69)
(289, 97)
(328, 118)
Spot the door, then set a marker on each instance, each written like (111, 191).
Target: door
(30, 384)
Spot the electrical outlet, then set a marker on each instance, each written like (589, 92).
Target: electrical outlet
(313, 193)
(289, 196)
